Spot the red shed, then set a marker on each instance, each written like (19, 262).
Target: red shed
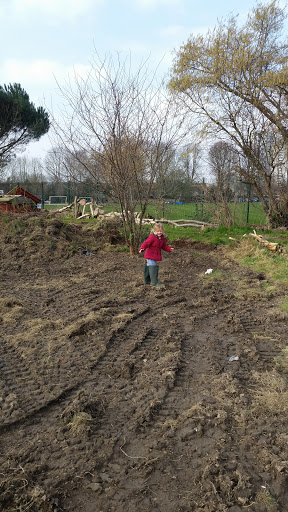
(19, 191)
(17, 200)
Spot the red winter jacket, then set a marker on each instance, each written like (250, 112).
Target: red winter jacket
(153, 246)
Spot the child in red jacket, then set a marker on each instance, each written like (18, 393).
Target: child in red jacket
(153, 245)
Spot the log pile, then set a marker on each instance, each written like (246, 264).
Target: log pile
(92, 210)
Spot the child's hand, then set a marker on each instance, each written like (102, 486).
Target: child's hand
(141, 250)
(171, 249)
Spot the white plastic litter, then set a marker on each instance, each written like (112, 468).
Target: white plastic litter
(209, 271)
(234, 358)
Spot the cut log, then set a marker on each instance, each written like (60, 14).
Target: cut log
(60, 210)
(182, 223)
(200, 222)
(271, 246)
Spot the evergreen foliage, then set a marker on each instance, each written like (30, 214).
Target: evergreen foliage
(20, 120)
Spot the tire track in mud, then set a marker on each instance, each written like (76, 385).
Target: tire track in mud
(192, 412)
(23, 391)
(110, 395)
(193, 429)
(106, 389)
(22, 396)
(265, 343)
(19, 386)
(178, 419)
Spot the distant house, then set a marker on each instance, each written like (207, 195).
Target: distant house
(18, 199)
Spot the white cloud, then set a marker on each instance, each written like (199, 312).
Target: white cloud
(62, 8)
(37, 71)
(172, 31)
(42, 79)
(155, 4)
(133, 47)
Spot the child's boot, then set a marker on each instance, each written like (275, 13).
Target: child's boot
(153, 270)
(147, 279)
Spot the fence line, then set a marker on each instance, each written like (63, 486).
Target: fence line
(240, 213)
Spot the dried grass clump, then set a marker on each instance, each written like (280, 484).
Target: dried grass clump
(21, 495)
(122, 319)
(87, 324)
(43, 284)
(80, 415)
(80, 424)
(11, 310)
(263, 497)
(196, 411)
(9, 302)
(35, 328)
(244, 291)
(276, 315)
(271, 394)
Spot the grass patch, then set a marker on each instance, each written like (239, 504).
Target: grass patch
(284, 306)
(251, 255)
(206, 211)
(116, 248)
(218, 236)
(282, 361)
(273, 267)
(216, 275)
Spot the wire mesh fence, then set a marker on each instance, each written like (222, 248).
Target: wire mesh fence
(233, 213)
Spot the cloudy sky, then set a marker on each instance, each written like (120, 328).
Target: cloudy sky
(44, 40)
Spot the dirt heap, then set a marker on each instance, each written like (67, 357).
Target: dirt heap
(117, 396)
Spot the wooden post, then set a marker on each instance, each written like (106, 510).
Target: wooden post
(76, 207)
(92, 207)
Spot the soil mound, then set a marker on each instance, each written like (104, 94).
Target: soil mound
(41, 235)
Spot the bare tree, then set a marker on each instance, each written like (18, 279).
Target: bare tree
(222, 160)
(24, 170)
(181, 170)
(27, 172)
(120, 127)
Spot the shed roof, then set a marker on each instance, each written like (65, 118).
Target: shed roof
(22, 192)
(14, 199)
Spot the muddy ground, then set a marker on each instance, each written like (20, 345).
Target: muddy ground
(117, 396)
